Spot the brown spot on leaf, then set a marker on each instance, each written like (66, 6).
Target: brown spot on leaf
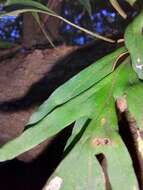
(101, 142)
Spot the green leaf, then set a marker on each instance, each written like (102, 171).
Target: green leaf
(87, 5)
(79, 125)
(99, 137)
(16, 7)
(64, 115)
(134, 43)
(78, 84)
(134, 99)
(131, 2)
(85, 171)
(61, 117)
(25, 4)
(80, 170)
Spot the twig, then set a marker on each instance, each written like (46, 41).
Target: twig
(118, 8)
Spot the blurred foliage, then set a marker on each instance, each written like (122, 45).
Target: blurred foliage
(103, 20)
(10, 30)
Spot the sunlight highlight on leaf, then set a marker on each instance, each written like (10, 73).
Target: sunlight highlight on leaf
(134, 43)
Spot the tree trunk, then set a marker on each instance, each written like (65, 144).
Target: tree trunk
(32, 34)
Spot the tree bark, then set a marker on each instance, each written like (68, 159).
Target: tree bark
(32, 34)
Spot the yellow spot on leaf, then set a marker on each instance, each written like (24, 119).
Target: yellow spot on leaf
(103, 121)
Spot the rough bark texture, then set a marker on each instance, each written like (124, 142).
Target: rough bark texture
(17, 75)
